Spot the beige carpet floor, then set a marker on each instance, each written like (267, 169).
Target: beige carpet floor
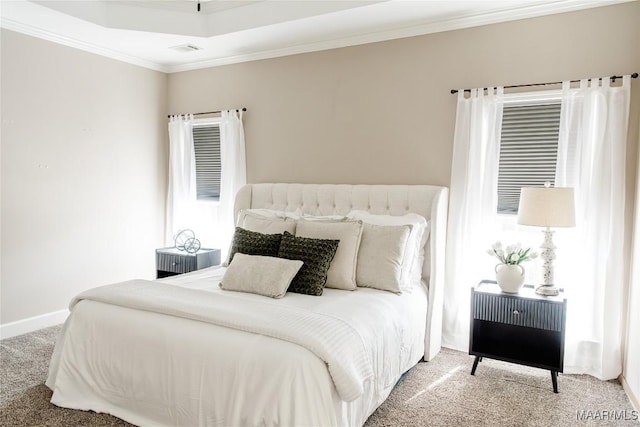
(438, 393)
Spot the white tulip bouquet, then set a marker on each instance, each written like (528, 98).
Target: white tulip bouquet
(512, 254)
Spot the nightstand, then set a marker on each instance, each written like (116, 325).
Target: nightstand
(524, 328)
(171, 261)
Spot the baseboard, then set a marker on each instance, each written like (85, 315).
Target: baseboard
(24, 326)
(632, 397)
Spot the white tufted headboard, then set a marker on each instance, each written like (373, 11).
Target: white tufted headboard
(330, 199)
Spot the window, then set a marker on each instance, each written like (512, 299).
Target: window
(206, 141)
(528, 148)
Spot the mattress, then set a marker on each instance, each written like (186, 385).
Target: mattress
(151, 368)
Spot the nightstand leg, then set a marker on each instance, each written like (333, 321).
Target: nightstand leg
(554, 380)
(475, 364)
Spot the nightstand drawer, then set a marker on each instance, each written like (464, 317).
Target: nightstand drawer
(532, 313)
(175, 263)
(171, 261)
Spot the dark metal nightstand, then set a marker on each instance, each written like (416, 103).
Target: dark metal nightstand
(171, 261)
(523, 328)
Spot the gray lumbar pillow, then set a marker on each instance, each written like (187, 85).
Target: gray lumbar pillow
(262, 275)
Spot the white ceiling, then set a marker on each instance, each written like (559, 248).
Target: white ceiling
(150, 32)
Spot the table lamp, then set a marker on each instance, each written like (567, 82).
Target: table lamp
(547, 207)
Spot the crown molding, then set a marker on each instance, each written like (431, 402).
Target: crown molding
(29, 30)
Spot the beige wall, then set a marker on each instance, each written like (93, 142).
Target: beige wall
(83, 173)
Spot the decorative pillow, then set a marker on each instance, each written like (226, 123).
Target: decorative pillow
(412, 267)
(295, 215)
(265, 221)
(265, 213)
(253, 243)
(382, 253)
(309, 217)
(342, 272)
(262, 275)
(316, 255)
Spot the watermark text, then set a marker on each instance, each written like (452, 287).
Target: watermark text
(607, 415)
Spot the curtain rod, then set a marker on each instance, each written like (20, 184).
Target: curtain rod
(613, 78)
(206, 112)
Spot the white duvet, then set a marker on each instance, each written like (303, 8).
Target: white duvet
(164, 355)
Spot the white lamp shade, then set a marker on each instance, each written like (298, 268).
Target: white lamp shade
(547, 207)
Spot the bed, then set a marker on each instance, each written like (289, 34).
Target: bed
(182, 351)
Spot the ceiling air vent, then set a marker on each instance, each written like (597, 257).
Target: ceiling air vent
(186, 48)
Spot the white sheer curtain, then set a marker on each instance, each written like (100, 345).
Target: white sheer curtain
(591, 158)
(181, 196)
(472, 207)
(234, 172)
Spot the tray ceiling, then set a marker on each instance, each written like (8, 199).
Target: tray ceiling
(172, 35)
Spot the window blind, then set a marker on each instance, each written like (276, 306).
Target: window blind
(528, 151)
(206, 141)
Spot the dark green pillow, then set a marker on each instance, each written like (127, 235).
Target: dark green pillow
(253, 243)
(316, 254)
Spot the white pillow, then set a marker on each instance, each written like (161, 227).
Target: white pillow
(272, 213)
(381, 256)
(265, 221)
(298, 214)
(342, 271)
(267, 213)
(323, 217)
(414, 259)
(262, 275)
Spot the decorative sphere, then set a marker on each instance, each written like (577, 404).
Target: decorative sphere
(192, 245)
(182, 237)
